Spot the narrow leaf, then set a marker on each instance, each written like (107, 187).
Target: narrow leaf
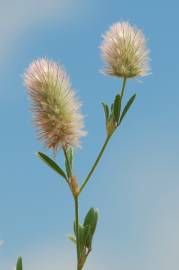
(106, 110)
(70, 156)
(19, 264)
(127, 107)
(117, 107)
(88, 236)
(51, 164)
(68, 161)
(81, 235)
(67, 169)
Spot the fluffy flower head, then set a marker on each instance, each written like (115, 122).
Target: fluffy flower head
(54, 104)
(124, 51)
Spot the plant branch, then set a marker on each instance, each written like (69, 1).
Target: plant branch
(95, 164)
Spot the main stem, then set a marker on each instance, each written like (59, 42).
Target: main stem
(77, 232)
(76, 212)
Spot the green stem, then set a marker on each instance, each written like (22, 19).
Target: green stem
(123, 87)
(67, 161)
(77, 232)
(95, 164)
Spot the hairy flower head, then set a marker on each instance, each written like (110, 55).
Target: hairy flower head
(124, 51)
(54, 104)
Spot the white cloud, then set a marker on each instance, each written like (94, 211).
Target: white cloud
(16, 16)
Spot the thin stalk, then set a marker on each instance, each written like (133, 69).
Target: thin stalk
(95, 164)
(122, 93)
(77, 232)
(123, 87)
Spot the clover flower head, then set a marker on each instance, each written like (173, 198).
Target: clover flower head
(124, 51)
(55, 107)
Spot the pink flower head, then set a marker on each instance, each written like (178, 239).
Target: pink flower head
(124, 51)
(54, 104)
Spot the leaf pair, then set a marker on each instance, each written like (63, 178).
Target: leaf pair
(85, 235)
(86, 231)
(113, 116)
(114, 111)
(19, 264)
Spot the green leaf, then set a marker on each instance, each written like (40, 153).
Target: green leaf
(67, 169)
(88, 236)
(81, 237)
(69, 161)
(72, 238)
(51, 164)
(91, 219)
(69, 152)
(127, 107)
(19, 264)
(106, 110)
(117, 107)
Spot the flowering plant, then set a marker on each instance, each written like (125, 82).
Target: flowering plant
(59, 122)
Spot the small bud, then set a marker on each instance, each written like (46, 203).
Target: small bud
(110, 126)
(74, 186)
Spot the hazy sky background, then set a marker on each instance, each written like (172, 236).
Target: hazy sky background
(136, 186)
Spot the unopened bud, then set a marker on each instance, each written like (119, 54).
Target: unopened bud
(110, 126)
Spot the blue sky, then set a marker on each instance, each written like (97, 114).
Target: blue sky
(136, 185)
